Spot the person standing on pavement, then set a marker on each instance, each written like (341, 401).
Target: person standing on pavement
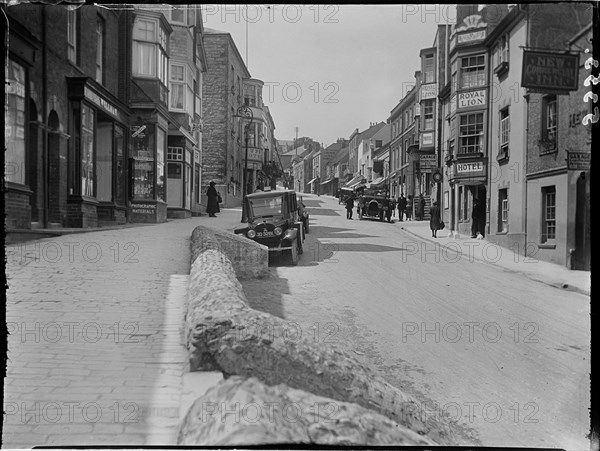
(349, 206)
(477, 218)
(435, 221)
(409, 207)
(420, 207)
(213, 201)
(401, 207)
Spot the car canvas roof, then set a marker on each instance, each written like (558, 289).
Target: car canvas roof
(269, 193)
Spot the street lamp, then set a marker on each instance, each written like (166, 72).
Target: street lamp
(245, 112)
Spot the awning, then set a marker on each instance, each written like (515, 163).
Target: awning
(355, 181)
(328, 180)
(378, 181)
(313, 180)
(360, 182)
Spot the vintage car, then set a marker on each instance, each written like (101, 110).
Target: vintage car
(277, 220)
(374, 205)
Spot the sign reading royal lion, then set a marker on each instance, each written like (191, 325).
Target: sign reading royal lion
(550, 72)
(472, 99)
(429, 91)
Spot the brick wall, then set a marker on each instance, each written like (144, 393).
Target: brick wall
(17, 209)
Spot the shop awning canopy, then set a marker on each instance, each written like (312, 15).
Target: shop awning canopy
(355, 181)
(379, 181)
(328, 180)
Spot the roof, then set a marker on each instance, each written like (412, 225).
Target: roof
(369, 132)
(343, 153)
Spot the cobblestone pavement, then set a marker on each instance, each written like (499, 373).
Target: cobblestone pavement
(95, 352)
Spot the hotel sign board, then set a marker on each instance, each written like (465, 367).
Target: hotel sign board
(471, 168)
(550, 72)
(470, 37)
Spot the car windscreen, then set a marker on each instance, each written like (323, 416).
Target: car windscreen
(266, 206)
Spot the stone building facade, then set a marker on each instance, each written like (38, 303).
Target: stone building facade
(223, 130)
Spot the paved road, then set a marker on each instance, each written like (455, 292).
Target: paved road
(504, 356)
(95, 354)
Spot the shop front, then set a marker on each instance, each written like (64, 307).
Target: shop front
(179, 177)
(147, 171)
(467, 179)
(97, 169)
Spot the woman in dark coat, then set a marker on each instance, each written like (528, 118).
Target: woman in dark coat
(435, 222)
(213, 204)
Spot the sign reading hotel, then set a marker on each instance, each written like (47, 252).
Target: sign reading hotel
(472, 99)
(471, 168)
(550, 72)
(429, 91)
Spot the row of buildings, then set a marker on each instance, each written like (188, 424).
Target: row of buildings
(125, 114)
(500, 112)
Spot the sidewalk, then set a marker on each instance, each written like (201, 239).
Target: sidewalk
(95, 353)
(485, 251)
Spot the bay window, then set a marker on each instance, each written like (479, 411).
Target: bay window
(471, 133)
(472, 71)
(149, 50)
(177, 86)
(428, 114)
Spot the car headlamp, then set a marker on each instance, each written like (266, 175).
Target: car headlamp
(251, 233)
(277, 231)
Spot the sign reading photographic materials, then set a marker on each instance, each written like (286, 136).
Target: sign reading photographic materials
(472, 99)
(143, 209)
(579, 161)
(550, 72)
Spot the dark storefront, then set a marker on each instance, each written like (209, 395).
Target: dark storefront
(97, 170)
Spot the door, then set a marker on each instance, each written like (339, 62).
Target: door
(582, 255)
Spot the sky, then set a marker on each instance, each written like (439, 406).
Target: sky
(329, 69)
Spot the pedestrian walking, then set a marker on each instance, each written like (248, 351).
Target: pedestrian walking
(349, 206)
(401, 207)
(391, 207)
(420, 207)
(361, 206)
(212, 206)
(435, 221)
(409, 207)
(477, 218)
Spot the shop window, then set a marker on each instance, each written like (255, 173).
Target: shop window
(471, 133)
(197, 182)
(503, 210)
(87, 151)
(14, 130)
(121, 166)
(72, 35)
(175, 153)
(99, 50)
(472, 72)
(160, 164)
(504, 133)
(428, 114)
(548, 214)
